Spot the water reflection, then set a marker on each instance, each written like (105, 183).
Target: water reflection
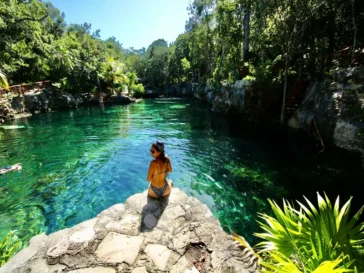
(77, 163)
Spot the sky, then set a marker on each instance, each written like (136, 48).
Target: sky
(135, 23)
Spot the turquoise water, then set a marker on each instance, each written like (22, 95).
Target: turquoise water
(79, 162)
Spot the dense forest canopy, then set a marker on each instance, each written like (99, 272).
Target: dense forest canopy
(274, 39)
(36, 44)
(271, 44)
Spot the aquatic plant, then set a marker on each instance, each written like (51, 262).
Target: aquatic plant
(9, 246)
(253, 176)
(238, 194)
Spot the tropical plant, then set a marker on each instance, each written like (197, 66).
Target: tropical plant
(9, 246)
(285, 265)
(132, 78)
(137, 90)
(3, 81)
(310, 239)
(112, 73)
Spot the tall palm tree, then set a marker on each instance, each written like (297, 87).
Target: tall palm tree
(3, 81)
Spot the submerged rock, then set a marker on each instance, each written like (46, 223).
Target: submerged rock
(176, 235)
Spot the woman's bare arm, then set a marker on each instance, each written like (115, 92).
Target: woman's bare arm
(169, 166)
(150, 172)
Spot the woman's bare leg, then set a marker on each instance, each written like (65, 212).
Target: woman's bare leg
(169, 188)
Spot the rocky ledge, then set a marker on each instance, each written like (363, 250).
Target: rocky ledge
(49, 99)
(177, 235)
(337, 105)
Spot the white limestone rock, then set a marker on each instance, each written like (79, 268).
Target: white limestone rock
(144, 235)
(139, 270)
(115, 211)
(119, 248)
(159, 254)
(128, 225)
(36, 246)
(183, 266)
(99, 269)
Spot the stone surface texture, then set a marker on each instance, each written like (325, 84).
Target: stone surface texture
(14, 106)
(239, 97)
(180, 235)
(337, 105)
(336, 102)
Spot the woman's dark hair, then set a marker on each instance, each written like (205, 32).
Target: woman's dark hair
(159, 146)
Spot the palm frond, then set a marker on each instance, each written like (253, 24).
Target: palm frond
(249, 255)
(313, 235)
(281, 264)
(331, 267)
(3, 81)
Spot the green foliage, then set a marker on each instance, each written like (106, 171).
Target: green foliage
(286, 265)
(112, 74)
(132, 78)
(309, 238)
(3, 81)
(185, 64)
(211, 49)
(249, 78)
(9, 246)
(137, 90)
(253, 176)
(36, 44)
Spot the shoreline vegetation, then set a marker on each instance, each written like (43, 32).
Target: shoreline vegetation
(278, 46)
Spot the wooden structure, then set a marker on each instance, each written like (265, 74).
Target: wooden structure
(24, 88)
(348, 56)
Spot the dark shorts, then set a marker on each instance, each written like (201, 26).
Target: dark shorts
(159, 191)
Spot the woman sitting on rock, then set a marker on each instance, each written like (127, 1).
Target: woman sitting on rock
(10, 168)
(158, 171)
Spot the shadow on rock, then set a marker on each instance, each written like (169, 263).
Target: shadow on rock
(151, 213)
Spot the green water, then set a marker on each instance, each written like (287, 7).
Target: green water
(79, 162)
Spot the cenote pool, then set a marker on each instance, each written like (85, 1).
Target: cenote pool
(79, 162)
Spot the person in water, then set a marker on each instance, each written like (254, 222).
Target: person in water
(10, 168)
(158, 171)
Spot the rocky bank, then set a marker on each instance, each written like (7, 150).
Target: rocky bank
(13, 106)
(177, 235)
(238, 96)
(337, 105)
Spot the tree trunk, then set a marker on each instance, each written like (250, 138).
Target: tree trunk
(209, 44)
(354, 27)
(312, 61)
(101, 97)
(284, 90)
(246, 33)
(331, 34)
